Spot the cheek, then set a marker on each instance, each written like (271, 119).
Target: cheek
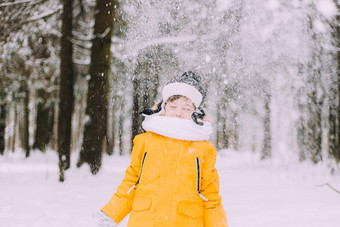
(168, 112)
(187, 115)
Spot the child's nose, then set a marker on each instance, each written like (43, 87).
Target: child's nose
(178, 112)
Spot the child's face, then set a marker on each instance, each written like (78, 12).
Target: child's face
(181, 108)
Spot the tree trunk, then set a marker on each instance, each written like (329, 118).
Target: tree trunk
(111, 120)
(236, 131)
(334, 110)
(97, 96)
(301, 121)
(314, 131)
(66, 98)
(54, 138)
(336, 152)
(267, 148)
(2, 125)
(14, 127)
(314, 103)
(301, 136)
(110, 134)
(44, 122)
(225, 133)
(120, 133)
(218, 126)
(333, 145)
(222, 134)
(136, 118)
(24, 123)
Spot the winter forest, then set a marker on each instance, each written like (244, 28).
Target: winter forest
(75, 75)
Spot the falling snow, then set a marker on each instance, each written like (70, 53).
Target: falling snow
(247, 52)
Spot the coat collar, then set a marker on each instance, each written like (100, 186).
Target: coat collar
(177, 128)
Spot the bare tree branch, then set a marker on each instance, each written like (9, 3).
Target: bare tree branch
(327, 184)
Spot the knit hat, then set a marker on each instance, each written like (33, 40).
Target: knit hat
(188, 85)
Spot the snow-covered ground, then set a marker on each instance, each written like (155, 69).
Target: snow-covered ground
(255, 194)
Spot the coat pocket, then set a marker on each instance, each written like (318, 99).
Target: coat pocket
(141, 204)
(193, 210)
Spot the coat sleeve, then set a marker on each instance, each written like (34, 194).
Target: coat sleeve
(214, 214)
(121, 202)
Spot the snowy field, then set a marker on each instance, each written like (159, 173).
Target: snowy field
(255, 194)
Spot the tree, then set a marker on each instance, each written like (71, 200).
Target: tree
(229, 76)
(152, 63)
(266, 147)
(26, 47)
(17, 77)
(222, 135)
(66, 98)
(334, 108)
(119, 81)
(315, 93)
(145, 86)
(15, 14)
(45, 80)
(24, 129)
(336, 153)
(301, 121)
(44, 120)
(95, 132)
(2, 121)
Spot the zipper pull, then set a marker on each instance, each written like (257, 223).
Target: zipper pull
(203, 197)
(133, 186)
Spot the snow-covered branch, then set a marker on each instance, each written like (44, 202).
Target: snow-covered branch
(104, 34)
(86, 61)
(78, 36)
(80, 43)
(85, 25)
(170, 40)
(19, 2)
(81, 37)
(45, 14)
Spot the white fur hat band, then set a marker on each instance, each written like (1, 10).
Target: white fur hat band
(182, 89)
(187, 85)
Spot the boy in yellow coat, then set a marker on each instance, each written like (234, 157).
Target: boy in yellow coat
(172, 180)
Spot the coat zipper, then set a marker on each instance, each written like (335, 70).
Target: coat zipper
(199, 178)
(140, 175)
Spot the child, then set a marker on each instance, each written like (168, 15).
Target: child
(171, 180)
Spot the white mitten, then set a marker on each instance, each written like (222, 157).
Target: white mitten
(106, 221)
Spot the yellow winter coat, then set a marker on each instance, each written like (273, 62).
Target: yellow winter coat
(169, 182)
